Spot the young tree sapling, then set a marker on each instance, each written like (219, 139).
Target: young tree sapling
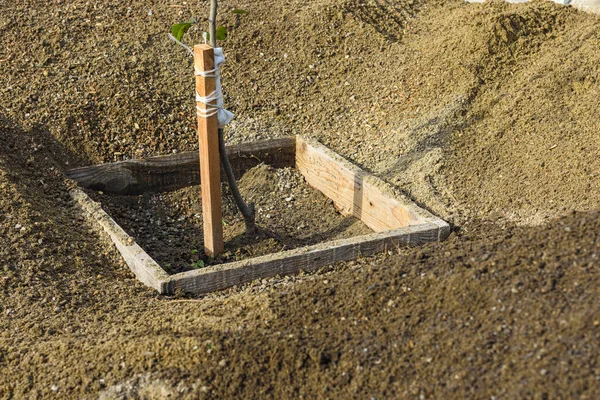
(220, 33)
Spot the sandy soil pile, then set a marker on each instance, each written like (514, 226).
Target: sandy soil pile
(479, 112)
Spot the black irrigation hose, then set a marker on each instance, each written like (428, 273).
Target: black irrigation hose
(247, 210)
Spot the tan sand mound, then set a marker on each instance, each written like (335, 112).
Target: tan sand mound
(527, 151)
(477, 111)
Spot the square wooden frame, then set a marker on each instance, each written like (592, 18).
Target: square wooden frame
(394, 219)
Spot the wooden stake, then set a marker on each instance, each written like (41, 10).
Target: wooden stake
(210, 179)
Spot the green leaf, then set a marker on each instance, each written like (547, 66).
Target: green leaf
(178, 30)
(198, 264)
(194, 251)
(221, 33)
(239, 11)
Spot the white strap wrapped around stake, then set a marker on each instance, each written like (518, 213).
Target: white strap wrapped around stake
(213, 103)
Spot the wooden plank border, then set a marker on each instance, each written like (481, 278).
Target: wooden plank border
(309, 258)
(175, 171)
(140, 263)
(356, 192)
(411, 225)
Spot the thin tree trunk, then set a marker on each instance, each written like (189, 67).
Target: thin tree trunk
(247, 210)
(212, 23)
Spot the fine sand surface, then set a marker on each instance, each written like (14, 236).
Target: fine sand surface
(486, 114)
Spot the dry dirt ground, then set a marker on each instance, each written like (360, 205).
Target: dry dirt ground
(485, 114)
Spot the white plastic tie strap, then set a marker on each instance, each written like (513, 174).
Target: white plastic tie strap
(213, 103)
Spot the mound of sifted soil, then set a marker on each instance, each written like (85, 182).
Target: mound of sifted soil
(485, 114)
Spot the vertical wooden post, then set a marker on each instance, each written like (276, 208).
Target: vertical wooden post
(210, 179)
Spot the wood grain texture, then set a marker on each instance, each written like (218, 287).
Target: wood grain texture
(175, 171)
(354, 191)
(210, 161)
(140, 263)
(220, 277)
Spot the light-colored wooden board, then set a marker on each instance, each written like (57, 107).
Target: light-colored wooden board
(175, 171)
(354, 191)
(140, 263)
(310, 258)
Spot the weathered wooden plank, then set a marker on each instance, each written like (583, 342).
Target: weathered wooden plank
(210, 161)
(174, 171)
(354, 191)
(304, 259)
(140, 263)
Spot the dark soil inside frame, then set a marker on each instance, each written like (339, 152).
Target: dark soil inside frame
(289, 214)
